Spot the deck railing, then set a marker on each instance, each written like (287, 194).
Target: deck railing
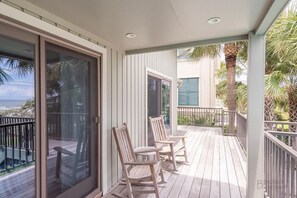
(16, 144)
(65, 125)
(11, 120)
(17, 136)
(210, 117)
(281, 126)
(199, 116)
(280, 166)
(241, 131)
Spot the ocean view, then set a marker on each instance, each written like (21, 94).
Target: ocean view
(11, 104)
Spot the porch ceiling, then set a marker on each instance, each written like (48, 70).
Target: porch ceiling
(161, 22)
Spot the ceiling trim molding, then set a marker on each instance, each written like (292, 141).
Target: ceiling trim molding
(271, 14)
(49, 21)
(188, 44)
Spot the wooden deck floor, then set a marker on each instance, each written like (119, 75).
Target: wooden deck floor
(216, 168)
(21, 184)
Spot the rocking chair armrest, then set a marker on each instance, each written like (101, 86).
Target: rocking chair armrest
(62, 150)
(177, 137)
(149, 162)
(165, 142)
(149, 149)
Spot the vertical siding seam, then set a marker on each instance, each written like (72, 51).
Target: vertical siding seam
(143, 73)
(111, 142)
(117, 109)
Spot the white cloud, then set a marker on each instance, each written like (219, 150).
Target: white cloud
(16, 92)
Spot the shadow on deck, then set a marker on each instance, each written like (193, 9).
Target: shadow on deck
(217, 168)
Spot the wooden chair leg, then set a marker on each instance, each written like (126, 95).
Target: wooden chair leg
(173, 157)
(129, 186)
(174, 163)
(162, 175)
(58, 165)
(155, 182)
(185, 151)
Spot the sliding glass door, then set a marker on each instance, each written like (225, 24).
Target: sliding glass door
(158, 101)
(49, 116)
(18, 61)
(71, 122)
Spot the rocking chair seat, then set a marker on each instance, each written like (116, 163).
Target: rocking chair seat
(167, 149)
(143, 172)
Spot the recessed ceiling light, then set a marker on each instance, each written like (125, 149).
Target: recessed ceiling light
(214, 20)
(130, 35)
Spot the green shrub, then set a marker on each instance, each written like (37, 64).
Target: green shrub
(184, 120)
(206, 120)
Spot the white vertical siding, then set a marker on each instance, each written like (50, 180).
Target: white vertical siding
(127, 85)
(205, 70)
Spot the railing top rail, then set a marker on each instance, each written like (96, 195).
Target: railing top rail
(281, 122)
(195, 107)
(293, 134)
(227, 111)
(16, 124)
(281, 145)
(65, 113)
(14, 117)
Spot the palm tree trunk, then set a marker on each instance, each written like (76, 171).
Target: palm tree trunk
(292, 95)
(268, 111)
(231, 50)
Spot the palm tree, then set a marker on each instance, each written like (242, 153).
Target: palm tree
(19, 67)
(282, 57)
(241, 88)
(231, 51)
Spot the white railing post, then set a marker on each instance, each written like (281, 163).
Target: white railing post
(255, 116)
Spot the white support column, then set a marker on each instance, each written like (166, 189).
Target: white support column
(255, 116)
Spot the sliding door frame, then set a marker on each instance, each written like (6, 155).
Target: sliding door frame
(61, 37)
(43, 41)
(161, 76)
(24, 36)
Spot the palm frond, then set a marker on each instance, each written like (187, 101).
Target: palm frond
(4, 77)
(205, 51)
(275, 84)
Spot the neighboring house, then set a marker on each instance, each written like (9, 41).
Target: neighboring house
(198, 82)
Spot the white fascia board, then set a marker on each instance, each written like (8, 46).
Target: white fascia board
(189, 44)
(273, 11)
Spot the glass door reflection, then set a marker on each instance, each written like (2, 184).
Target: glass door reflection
(159, 103)
(71, 91)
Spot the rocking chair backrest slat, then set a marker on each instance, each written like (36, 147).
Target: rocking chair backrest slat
(124, 144)
(158, 128)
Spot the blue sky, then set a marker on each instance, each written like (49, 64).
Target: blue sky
(20, 88)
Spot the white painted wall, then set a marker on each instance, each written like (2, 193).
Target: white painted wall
(205, 70)
(123, 78)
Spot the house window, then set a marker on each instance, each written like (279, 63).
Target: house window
(188, 92)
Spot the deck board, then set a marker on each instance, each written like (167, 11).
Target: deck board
(216, 168)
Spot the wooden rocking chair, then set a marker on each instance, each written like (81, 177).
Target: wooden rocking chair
(76, 164)
(167, 143)
(137, 171)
